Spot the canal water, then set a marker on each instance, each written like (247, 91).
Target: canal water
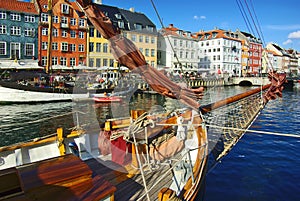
(259, 167)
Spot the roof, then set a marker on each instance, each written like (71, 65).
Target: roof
(129, 17)
(174, 31)
(217, 33)
(18, 6)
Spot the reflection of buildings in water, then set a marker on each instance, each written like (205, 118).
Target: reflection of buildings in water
(172, 104)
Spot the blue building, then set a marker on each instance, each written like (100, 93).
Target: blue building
(18, 32)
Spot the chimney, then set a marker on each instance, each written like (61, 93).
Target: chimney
(131, 9)
(171, 25)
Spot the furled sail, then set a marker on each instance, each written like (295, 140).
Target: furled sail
(129, 55)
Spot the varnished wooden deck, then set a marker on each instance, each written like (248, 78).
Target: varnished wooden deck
(130, 186)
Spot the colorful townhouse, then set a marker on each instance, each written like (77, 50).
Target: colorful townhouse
(18, 34)
(252, 52)
(220, 52)
(66, 45)
(133, 25)
(178, 50)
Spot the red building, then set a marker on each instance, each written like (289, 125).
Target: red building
(69, 34)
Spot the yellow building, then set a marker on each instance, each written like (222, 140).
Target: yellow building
(133, 25)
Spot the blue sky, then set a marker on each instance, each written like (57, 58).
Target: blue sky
(279, 20)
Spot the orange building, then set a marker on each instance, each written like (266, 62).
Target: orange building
(69, 35)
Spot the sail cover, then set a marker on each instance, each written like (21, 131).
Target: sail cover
(129, 55)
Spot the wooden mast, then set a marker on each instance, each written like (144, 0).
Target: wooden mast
(49, 60)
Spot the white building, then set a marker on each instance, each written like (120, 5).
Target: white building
(220, 52)
(177, 50)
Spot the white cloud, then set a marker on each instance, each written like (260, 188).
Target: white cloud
(289, 41)
(202, 17)
(294, 35)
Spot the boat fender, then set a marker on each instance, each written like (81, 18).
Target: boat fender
(74, 148)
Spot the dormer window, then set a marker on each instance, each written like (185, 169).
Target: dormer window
(138, 26)
(214, 34)
(118, 16)
(65, 8)
(150, 28)
(45, 6)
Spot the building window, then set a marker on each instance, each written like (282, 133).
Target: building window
(3, 29)
(98, 62)
(54, 60)
(65, 8)
(80, 48)
(44, 17)
(150, 28)
(138, 26)
(73, 34)
(72, 62)
(141, 50)
(98, 47)
(105, 62)
(29, 32)
(54, 46)
(91, 62)
(111, 62)
(54, 32)
(81, 22)
(64, 46)
(152, 52)
(91, 47)
(72, 47)
(63, 61)
(15, 50)
(73, 21)
(64, 22)
(44, 45)
(105, 47)
(80, 34)
(44, 61)
(64, 33)
(133, 37)
(2, 15)
(2, 48)
(121, 24)
(92, 31)
(29, 18)
(141, 39)
(98, 35)
(15, 17)
(152, 40)
(29, 49)
(147, 39)
(15, 31)
(55, 19)
(147, 52)
(45, 31)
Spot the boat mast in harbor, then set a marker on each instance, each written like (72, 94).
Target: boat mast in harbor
(49, 60)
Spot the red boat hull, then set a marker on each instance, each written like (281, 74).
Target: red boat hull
(107, 99)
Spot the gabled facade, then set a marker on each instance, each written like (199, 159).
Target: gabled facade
(220, 52)
(18, 30)
(133, 25)
(69, 34)
(251, 53)
(177, 50)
